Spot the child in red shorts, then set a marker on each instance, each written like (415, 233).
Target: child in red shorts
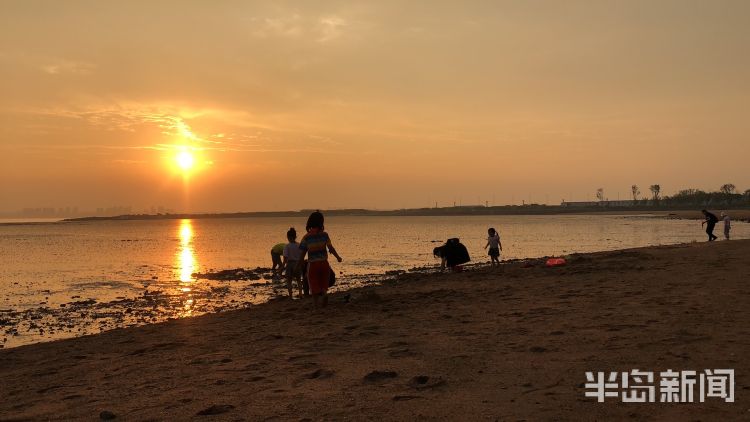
(316, 244)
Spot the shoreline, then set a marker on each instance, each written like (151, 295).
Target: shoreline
(515, 210)
(737, 214)
(508, 343)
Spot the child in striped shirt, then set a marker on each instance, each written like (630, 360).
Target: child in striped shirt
(316, 244)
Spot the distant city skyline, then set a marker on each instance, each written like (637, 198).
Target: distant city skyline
(267, 106)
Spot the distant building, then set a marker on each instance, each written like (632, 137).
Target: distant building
(114, 211)
(591, 204)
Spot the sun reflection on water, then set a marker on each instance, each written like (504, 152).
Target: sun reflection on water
(186, 257)
(186, 265)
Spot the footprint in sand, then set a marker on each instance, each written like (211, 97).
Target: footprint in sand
(216, 409)
(421, 382)
(397, 349)
(401, 353)
(405, 398)
(377, 376)
(298, 357)
(106, 415)
(320, 374)
(273, 337)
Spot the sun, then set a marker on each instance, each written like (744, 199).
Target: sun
(185, 160)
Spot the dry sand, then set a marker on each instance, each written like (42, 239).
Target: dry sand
(487, 344)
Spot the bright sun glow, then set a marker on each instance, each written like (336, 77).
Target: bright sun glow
(185, 160)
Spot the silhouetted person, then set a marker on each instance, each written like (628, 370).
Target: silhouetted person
(710, 223)
(276, 259)
(493, 242)
(452, 254)
(727, 224)
(291, 261)
(316, 244)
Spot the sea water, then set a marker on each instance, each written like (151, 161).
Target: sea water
(71, 278)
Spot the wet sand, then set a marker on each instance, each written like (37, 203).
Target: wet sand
(737, 215)
(507, 344)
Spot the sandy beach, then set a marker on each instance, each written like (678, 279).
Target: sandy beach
(488, 344)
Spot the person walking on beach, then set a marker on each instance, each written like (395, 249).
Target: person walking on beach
(727, 224)
(710, 222)
(316, 244)
(291, 260)
(493, 242)
(276, 253)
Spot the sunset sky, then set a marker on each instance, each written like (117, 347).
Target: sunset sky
(379, 104)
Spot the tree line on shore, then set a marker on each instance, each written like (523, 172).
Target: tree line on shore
(726, 195)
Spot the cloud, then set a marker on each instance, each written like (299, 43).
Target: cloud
(69, 67)
(330, 28)
(295, 26)
(171, 127)
(285, 26)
